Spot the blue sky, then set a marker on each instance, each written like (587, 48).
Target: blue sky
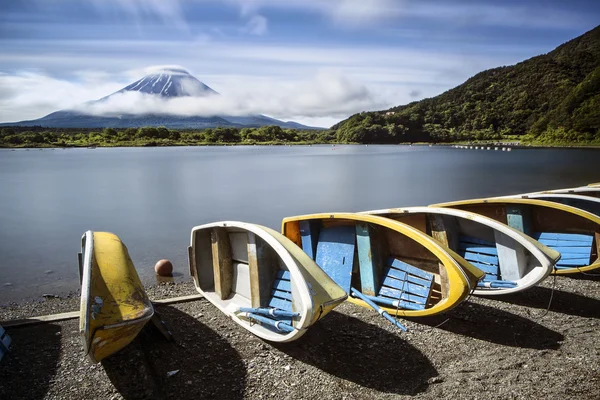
(312, 61)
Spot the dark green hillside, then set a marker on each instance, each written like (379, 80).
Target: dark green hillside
(550, 98)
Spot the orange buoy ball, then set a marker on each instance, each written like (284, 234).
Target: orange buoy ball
(163, 268)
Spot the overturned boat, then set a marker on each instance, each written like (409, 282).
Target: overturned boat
(262, 280)
(114, 306)
(401, 270)
(573, 232)
(511, 260)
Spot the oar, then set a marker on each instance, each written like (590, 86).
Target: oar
(393, 303)
(273, 312)
(375, 307)
(497, 284)
(279, 325)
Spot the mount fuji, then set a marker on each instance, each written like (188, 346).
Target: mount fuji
(163, 84)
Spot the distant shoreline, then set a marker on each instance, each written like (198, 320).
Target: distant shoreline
(146, 145)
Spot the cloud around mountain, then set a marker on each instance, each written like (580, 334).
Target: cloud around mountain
(328, 93)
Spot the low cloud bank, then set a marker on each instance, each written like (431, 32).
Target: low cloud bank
(328, 94)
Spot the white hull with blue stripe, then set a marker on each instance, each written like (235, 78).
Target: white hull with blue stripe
(262, 280)
(511, 260)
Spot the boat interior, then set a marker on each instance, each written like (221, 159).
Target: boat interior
(504, 260)
(243, 275)
(574, 236)
(386, 266)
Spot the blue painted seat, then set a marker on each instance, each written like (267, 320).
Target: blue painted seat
(5, 341)
(281, 293)
(404, 286)
(575, 249)
(278, 314)
(483, 255)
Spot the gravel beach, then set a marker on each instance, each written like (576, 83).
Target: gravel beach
(486, 348)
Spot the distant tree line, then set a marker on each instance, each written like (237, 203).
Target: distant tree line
(157, 136)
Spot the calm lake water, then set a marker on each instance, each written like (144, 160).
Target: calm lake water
(152, 197)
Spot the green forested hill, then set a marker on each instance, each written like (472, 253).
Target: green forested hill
(553, 98)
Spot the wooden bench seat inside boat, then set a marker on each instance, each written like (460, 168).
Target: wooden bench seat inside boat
(281, 294)
(404, 282)
(341, 250)
(484, 255)
(575, 249)
(245, 266)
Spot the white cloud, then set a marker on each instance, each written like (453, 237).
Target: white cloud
(256, 25)
(169, 11)
(33, 95)
(328, 95)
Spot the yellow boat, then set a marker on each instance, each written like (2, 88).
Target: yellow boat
(512, 260)
(114, 305)
(259, 278)
(573, 232)
(403, 271)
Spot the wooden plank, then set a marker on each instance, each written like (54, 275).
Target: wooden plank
(438, 229)
(403, 276)
(490, 270)
(335, 253)
(75, 314)
(566, 237)
(579, 250)
(597, 246)
(309, 233)
(279, 303)
(263, 265)
(399, 294)
(284, 274)
(570, 256)
(281, 294)
(478, 248)
(563, 243)
(369, 259)
(575, 262)
(282, 284)
(192, 262)
(404, 286)
(476, 241)
(401, 265)
(519, 217)
(222, 262)
(512, 257)
(493, 260)
(180, 299)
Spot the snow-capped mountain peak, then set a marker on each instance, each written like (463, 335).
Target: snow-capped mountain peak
(169, 82)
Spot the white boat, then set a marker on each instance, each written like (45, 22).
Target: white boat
(261, 279)
(593, 190)
(573, 232)
(583, 202)
(511, 260)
